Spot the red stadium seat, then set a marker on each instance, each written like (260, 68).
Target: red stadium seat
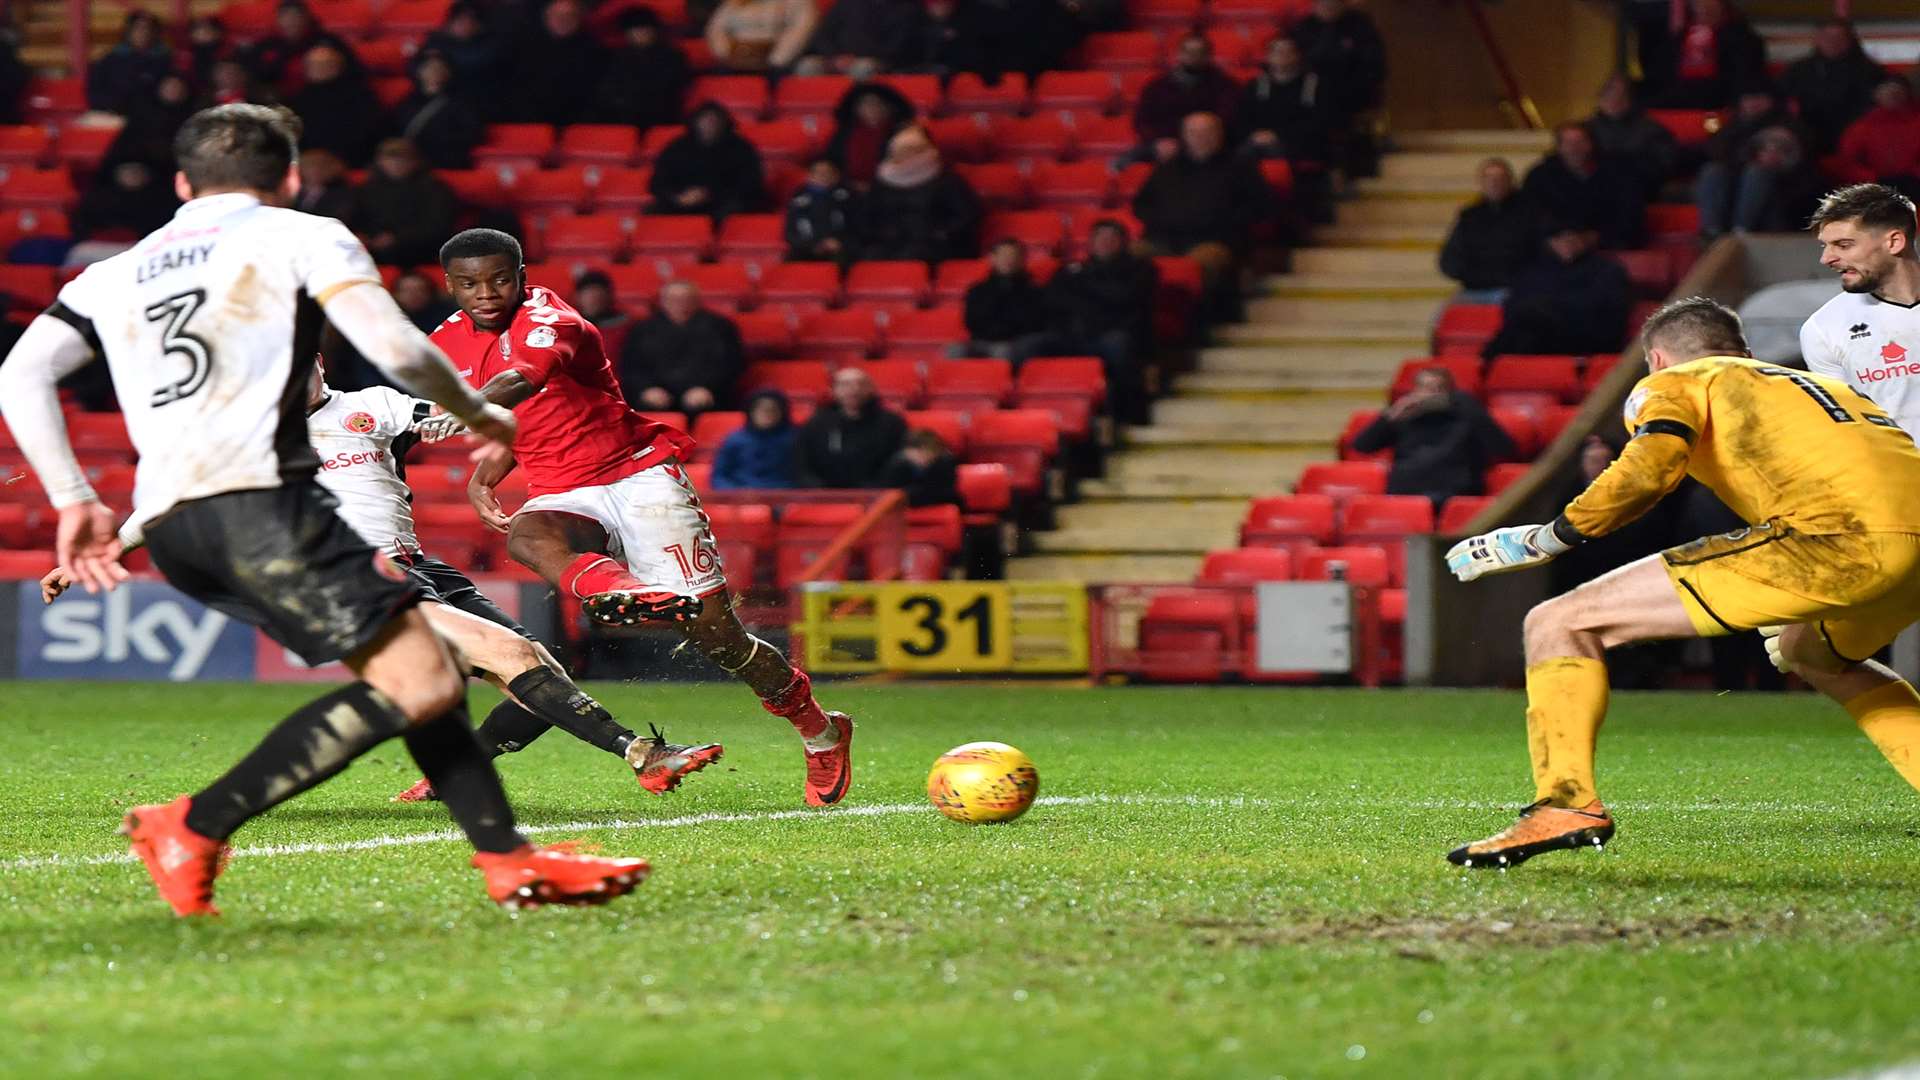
(726, 284)
(801, 380)
(800, 283)
(548, 191)
(888, 282)
(960, 138)
(1044, 136)
(1024, 440)
(949, 425)
(515, 146)
(1690, 127)
(809, 95)
(656, 139)
(804, 532)
(1041, 232)
(56, 100)
(896, 381)
(79, 147)
(1457, 514)
(921, 91)
(1385, 521)
(598, 144)
(634, 285)
(1231, 47)
(752, 239)
(588, 236)
(16, 225)
(765, 334)
(1292, 522)
(969, 386)
(1595, 370)
(1357, 423)
(1129, 180)
(926, 333)
(1650, 270)
(1245, 566)
(1126, 50)
(348, 18)
(477, 187)
(969, 93)
(387, 56)
(677, 238)
(1343, 479)
(1072, 388)
(1673, 223)
(744, 534)
(986, 488)
(620, 189)
(745, 96)
(1074, 90)
(23, 145)
(31, 287)
(1520, 427)
(782, 142)
(391, 90)
(952, 279)
(1549, 426)
(1097, 136)
(51, 189)
(1169, 14)
(414, 18)
(1360, 565)
(710, 429)
(1501, 477)
(1466, 328)
(846, 335)
(1464, 369)
(1557, 375)
(1085, 183)
(933, 538)
(999, 185)
(1189, 635)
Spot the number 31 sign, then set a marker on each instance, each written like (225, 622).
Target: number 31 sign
(936, 626)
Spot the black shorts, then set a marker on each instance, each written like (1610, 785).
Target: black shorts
(442, 584)
(283, 560)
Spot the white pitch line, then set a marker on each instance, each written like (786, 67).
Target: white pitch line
(376, 843)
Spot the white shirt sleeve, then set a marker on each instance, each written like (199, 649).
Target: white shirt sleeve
(331, 258)
(372, 323)
(1819, 356)
(49, 351)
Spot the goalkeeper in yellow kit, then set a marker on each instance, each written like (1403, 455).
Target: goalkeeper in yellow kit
(1832, 487)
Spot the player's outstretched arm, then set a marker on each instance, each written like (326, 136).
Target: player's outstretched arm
(370, 320)
(487, 475)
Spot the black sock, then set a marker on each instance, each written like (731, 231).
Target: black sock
(307, 748)
(509, 729)
(556, 700)
(462, 776)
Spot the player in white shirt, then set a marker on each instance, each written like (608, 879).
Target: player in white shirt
(208, 327)
(1869, 335)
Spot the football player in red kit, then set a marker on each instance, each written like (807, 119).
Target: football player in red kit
(611, 517)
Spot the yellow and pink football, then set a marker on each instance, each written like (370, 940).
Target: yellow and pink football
(983, 783)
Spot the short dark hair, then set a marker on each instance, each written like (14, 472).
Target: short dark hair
(1696, 326)
(592, 278)
(238, 146)
(1874, 206)
(478, 244)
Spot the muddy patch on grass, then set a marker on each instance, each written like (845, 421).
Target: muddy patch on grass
(1416, 934)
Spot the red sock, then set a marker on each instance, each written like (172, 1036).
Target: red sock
(797, 705)
(596, 573)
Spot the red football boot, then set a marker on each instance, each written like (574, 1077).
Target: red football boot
(829, 771)
(421, 791)
(531, 876)
(183, 863)
(627, 607)
(660, 765)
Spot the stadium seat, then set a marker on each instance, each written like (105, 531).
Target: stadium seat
(56, 100)
(952, 279)
(1169, 14)
(803, 284)
(1128, 182)
(1042, 136)
(781, 142)
(621, 189)
(1084, 183)
(1356, 423)
(1279, 176)
(1650, 270)
(549, 191)
(888, 282)
(1041, 232)
(388, 57)
(1125, 50)
(1548, 426)
(970, 93)
(1245, 566)
(1343, 479)
(804, 532)
(1290, 522)
(745, 96)
(1555, 375)
(1054, 90)
(801, 380)
(1520, 426)
(50, 189)
(1190, 635)
(1231, 49)
(960, 138)
(412, 18)
(1595, 370)
(921, 91)
(842, 336)
(634, 285)
(31, 287)
(897, 382)
(710, 429)
(598, 144)
(1690, 127)
(933, 538)
(699, 474)
(1385, 521)
(79, 147)
(1072, 388)
(986, 489)
(765, 335)
(16, 225)
(23, 145)
(99, 432)
(926, 334)
(753, 239)
(949, 425)
(515, 146)
(1464, 369)
(676, 238)
(743, 533)
(1024, 440)
(1534, 404)
(969, 386)
(1457, 513)
(587, 236)
(999, 185)
(809, 95)
(1097, 136)
(1360, 565)
(726, 284)
(1466, 328)
(1673, 224)
(391, 90)
(477, 187)
(1501, 477)
(656, 139)
(17, 564)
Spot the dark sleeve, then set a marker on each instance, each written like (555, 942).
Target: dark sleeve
(1255, 200)
(1497, 444)
(1453, 253)
(433, 223)
(1147, 200)
(726, 462)
(1376, 436)
(730, 361)
(939, 486)
(666, 182)
(636, 361)
(897, 473)
(974, 311)
(806, 456)
(1150, 120)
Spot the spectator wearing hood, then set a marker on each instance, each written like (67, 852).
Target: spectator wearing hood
(1760, 175)
(1194, 84)
(849, 442)
(864, 122)
(1884, 145)
(821, 217)
(127, 74)
(1005, 311)
(759, 455)
(337, 108)
(276, 58)
(475, 51)
(710, 169)
(1575, 184)
(1623, 132)
(152, 123)
(683, 356)
(556, 68)
(918, 208)
(861, 38)
(926, 470)
(1833, 85)
(646, 81)
(760, 35)
(402, 212)
(443, 124)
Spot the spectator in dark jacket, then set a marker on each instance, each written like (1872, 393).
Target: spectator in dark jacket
(1575, 184)
(557, 67)
(918, 209)
(424, 305)
(948, 37)
(276, 58)
(861, 38)
(152, 123)
(324, 187)
(1005, 311)
(128, 201)
(443, 124)
(1833, 85)
(682, 357)
(865, 121)
(647, 77)
(1574, 301)
(207, 44)
(1442, 440)
(1345, 49)
(1204, 202)
(1194, 84)
(848, 444)
(1492, 239)
(230, 82)
(1717, 54)
(402, 212)
(760, 455)
(821, 217)
(475, 51)
(1623, 132)
(1760, 175)
(338, 110)
(1103, 306)
(710, 169)
(126, 75)
(1283, 112)
(926, 470)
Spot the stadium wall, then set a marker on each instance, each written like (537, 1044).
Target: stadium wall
(1559, 50)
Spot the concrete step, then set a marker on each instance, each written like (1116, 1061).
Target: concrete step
(1146, 569)
(1437, 164)
(1319, 437)
(1455, 189)
(1406, 315)
(1298, 360)
(1256, 417)
(1396, 212)
(1359, 261)
(1159, 540)
(1270, 385)
(1384, 285)
(1152, 515)
(1211, 486)
(1495, 141)
(1339, 334)
(1171, 463)
(1427, 238)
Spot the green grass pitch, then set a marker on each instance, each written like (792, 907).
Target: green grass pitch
(1222, 883)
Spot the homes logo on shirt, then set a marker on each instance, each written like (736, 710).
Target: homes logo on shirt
(1894, 364)
(1893, 352)
(541, 337)
(360, 423)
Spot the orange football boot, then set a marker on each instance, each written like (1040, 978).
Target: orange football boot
(830, 771)
(627, 607)
(183, 863)
(421, 791)
(661, 765)
(529, 876)
(1541, 828)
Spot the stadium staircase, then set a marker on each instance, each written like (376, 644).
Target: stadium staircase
(1273, 394)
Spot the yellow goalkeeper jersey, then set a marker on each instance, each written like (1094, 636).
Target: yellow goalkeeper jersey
(1774, 443)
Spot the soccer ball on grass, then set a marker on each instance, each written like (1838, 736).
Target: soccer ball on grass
(983, 782)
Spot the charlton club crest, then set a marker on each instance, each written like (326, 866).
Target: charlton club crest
(361, 423)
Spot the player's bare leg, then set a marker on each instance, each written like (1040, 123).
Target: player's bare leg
(1884, 705)
(1566, 638)
(542, 696)
(570, 552)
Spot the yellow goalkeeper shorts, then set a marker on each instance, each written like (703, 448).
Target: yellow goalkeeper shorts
(1861, 588)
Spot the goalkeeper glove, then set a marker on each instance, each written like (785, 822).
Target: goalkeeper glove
(1771, 636)
(1505, 549)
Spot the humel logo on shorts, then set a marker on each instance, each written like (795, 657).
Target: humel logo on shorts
(360, 423)
(541, 337)
(1894, 365)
